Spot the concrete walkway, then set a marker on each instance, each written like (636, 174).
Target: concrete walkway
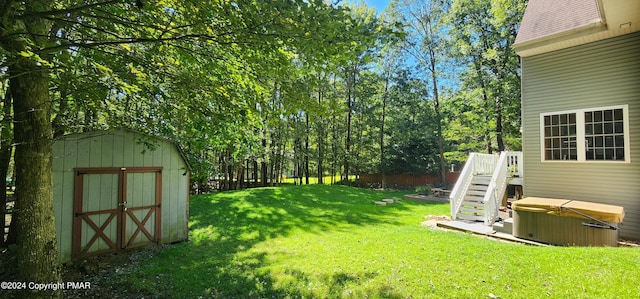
(481, 229)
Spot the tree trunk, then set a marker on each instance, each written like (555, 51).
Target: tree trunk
(12, 236)
(485, 99)
(230, 172)
(320, 142)
(499, 138)
(297, 148)
(351, 78)
(37, 252)
(58, 121)
(382, 119)
(306, 149)
(223, 170)
(279, 162)
(263, 164)
(247, 174)
(436, 106)
(272, 165)
(5, 157)
(334, 149)
(240, 176)
(255, 173)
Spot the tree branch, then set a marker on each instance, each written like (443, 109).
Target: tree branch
(71, 10)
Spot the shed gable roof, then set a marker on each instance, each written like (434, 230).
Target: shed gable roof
(119, 131)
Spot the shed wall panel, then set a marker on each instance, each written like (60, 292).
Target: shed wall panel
(82, 153)
(128, 153)
(95, 152)
(108, 149)
(604, 73)
(118, 151)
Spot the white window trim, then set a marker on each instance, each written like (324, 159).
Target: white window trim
(580, 135)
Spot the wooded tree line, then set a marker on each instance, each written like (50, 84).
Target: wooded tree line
(253, 89)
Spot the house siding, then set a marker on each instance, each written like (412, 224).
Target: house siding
(600, 74)
(118, 149)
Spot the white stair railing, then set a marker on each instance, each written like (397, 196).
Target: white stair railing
(462, 184)
(501, 168)
(496, 189)
(485, 164)
(515, 164)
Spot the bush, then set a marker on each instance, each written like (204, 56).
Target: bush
(424, 190)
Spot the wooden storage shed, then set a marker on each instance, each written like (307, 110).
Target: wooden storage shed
(118, 189)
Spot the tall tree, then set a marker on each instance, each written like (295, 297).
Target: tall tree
(37, 254)
(389, 67)
(484, 32)
(411, 125)
(428, 45)
(6, 148)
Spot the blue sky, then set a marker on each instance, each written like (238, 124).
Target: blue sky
(379, 5)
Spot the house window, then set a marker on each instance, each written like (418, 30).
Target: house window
(604, 133)
(560, 137)
(597, 134)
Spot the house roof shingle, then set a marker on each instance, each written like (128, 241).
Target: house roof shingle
(544, 18)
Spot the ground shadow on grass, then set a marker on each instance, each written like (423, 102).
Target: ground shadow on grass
(218, 262)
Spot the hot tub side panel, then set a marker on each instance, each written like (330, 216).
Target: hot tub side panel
(560, 230)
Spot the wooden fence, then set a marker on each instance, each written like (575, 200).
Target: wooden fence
(408, 179)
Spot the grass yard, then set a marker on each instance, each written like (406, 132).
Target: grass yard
(320, 241)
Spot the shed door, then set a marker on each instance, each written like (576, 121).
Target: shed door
(115, 209)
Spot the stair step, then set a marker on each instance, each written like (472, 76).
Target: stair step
(504, 227)
(479, 199)
(381, 203)
(477, 192)
(478, 187)
(481, 180)
(470, 217)
(389, 200)
(498, 226)
(508, 223)
(470, 210)
(472, 203)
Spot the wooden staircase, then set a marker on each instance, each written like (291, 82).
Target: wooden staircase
(473, 201)
(482, 184)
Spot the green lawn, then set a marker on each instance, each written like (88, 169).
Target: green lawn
(321, 241)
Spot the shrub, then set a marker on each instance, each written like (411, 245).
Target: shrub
(425, 190)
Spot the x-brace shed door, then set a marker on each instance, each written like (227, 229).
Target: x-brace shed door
(116, 208)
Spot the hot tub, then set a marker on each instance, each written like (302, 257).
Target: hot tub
(566, 222)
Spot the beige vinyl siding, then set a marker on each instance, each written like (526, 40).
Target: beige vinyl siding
(119, 148)
(600, 74)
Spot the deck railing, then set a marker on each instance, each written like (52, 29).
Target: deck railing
(515, 164)
(485, 164)
(496, 189)
(462, 184)
(477, 164)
